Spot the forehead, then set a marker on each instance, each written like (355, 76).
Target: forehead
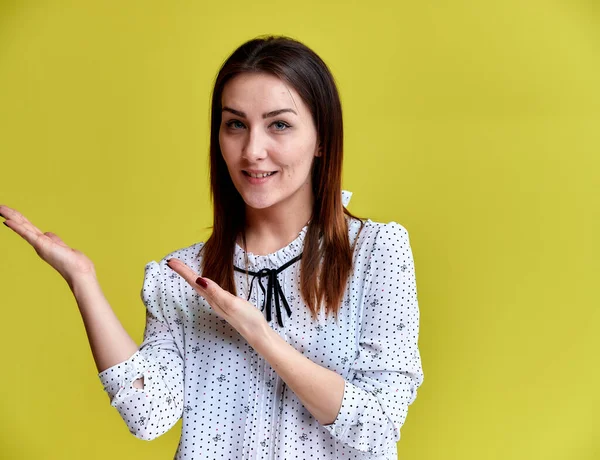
(260, 92)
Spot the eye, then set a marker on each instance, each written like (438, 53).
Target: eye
(234, 124)
(280, 125)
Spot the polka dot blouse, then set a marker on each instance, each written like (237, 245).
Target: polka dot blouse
(233, 404)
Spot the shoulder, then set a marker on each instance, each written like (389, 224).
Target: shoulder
(382, 254)
(377, 235)
(160, 282)
(190, 255)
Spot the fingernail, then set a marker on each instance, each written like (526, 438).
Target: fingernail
(202, 282)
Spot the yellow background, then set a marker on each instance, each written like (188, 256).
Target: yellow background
(474, 124)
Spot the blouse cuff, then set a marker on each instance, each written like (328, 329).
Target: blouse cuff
(348, 414)
(118, 379)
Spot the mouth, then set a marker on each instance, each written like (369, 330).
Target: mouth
(259, 175)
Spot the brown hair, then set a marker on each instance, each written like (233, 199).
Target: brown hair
(327, 254)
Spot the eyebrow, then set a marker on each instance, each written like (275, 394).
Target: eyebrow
(273, 113)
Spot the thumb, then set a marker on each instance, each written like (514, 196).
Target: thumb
(54, 237)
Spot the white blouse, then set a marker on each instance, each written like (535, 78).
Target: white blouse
(233, 404)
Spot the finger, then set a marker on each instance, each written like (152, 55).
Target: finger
(213, 293)
(183, 270)
(217, 297)
(17, 218)
(17, 222)
(13, 214)
(33, 236)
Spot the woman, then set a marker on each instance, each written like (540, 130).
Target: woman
(300, 339)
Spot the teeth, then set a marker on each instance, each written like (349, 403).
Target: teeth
(261, 175)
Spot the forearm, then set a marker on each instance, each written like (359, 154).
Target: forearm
(109, 341)
(319, 389)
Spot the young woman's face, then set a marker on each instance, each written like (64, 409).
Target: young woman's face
(267, 128)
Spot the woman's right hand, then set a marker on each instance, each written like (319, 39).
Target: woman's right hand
(69, 262)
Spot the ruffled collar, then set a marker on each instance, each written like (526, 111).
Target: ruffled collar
(272, 260)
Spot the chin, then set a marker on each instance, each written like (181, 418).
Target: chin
(263, 200)
(259, 204)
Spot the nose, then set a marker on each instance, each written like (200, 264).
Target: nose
(255, 147)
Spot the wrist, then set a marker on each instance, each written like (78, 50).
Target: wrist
(258, 335)
(82, 283)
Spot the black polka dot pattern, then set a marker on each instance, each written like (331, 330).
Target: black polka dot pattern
(233, 404)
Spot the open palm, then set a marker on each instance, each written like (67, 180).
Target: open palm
(67, 261)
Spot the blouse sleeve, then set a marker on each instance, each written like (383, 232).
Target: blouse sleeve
(153, 410)
(387, 370)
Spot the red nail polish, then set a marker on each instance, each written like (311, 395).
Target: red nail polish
(202, 282)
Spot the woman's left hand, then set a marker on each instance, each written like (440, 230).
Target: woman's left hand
(241, 314)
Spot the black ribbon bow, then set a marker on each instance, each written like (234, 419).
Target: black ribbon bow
(273, 288)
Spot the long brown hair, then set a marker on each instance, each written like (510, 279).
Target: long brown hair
(327, 254)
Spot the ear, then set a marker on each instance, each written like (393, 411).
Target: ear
(319, 151)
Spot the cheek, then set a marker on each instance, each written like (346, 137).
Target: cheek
(299, 168)
(300, 159)
(227, 148)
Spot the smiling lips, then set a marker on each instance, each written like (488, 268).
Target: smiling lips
(259, 174)
(258, 177)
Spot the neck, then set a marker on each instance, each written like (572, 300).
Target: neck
(268, 230)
